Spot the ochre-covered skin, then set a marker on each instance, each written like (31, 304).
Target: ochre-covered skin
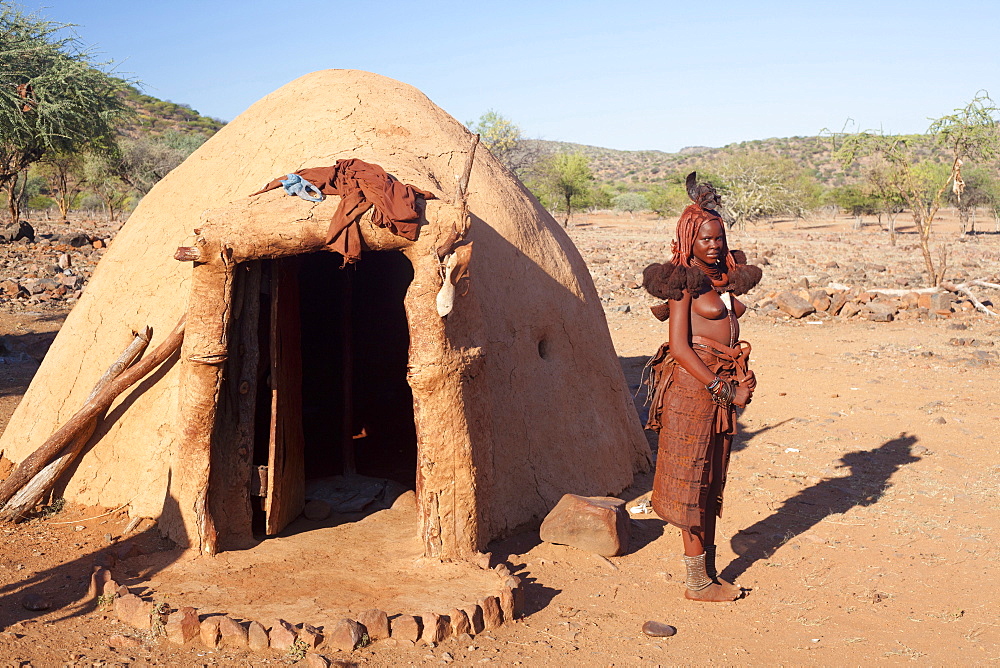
(698, 379)
(519, 397)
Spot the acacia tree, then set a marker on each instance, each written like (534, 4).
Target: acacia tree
(15, 192)
(667, 199)
(756, 185)
(63, 172)
(888, 202)
(985, 185)
(968, 134)
(630, 202)
(566, 179)
(855, 200)
(498, 133)
(103, 175)
(978, 192)
(504, 139)
(52, 96)
(600, 196)
(143, 161)
(991, 201)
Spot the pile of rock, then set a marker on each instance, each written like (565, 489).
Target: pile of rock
(52, 269)
(874, 305)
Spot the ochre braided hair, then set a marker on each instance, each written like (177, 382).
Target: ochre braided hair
(688, 226)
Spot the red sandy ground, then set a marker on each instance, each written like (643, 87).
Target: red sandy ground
(860, 510)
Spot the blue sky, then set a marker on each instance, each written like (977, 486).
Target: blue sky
(626, 75)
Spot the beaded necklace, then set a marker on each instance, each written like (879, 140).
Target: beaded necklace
(716, 272)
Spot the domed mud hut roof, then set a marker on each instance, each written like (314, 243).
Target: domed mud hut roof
(292, 365)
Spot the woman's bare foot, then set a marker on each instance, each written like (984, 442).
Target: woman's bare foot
(729, 588)
(714, 593)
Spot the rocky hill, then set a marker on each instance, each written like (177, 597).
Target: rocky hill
(157, 117)
(815, 155)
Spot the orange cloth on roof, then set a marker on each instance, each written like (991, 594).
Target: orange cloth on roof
(362, 185)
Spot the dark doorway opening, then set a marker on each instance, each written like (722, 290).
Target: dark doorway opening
(357, 408)
(342, 355)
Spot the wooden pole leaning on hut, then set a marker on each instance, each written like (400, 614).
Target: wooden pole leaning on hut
(99, 401)
(31, 494)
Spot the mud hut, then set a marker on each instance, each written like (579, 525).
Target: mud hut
(292, 366)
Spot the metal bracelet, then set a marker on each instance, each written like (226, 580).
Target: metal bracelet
(724, 397)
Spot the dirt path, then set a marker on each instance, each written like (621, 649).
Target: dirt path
(860, 509)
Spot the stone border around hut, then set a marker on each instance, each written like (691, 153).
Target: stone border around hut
(185, 626)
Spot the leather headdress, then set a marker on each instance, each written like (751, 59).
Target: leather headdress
(702, 194)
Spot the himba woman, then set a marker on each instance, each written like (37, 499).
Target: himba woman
(698, 379)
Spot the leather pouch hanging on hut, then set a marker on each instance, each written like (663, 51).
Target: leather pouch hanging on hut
(455, 278)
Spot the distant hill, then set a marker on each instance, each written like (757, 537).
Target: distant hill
(815, 155)
(157, 117)
(635, 169)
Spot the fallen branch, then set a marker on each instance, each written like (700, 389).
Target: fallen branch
(97, 517)
(963, 289)
(896, 292)
(32, 493)
(37, 460)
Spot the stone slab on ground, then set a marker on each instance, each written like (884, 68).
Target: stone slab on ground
(475, 616)
(492, 616)
(283, 635)
(793, 304)
(233, 633)
(257, 638)
(132, 610)
(311, 636)
(459, 622)
(436, 628)
(211, 636)
(597, 524)
(879, 312)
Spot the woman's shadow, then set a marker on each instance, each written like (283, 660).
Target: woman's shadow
(868, 481)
